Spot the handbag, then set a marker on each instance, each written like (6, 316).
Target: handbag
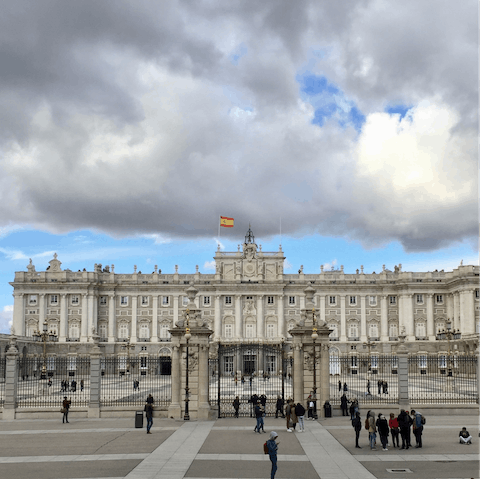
(63, 410)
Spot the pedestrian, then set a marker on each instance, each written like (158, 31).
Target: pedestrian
(288, 413)
(236, 406)
(74, 386)
(382, 426)
(357, 426)
(351, 410)
(293, 416)
(385, 387)
(263, 401)
(344, 404)
(379, 386)
(372, 430)
(65, 408)
(149, 415)
(300, 413)
(259, 416)
(272, 452)
(417, 427)
(339, 385)
(356, 407)
(49, 382)
(404, 424)
(150, 399)
(81, 385)
(368, 386)
(279, 407)
(465, 437)
(311, 408)
(345, 387)
(394, 429)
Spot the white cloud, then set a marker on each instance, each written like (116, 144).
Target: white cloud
(287, 265)
(328, 266)
(219, 243)
(209, 265)
(6, 319)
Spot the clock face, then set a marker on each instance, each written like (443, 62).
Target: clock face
(249, 268)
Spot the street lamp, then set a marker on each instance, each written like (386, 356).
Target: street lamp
(126, 346)
(370, 345)
(44, 337)
(449, 335)
(314, 337)
(186, 417)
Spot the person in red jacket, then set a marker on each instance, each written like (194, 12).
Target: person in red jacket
(394, 429)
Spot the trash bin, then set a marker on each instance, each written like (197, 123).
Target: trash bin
(139, 419)
(328, 409)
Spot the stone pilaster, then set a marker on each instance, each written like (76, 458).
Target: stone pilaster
(95, 379)
(154, 338)
(11, 378)
(384, 334)
(63, 333)
(281, 317)
(218, 318)
(133, 332)
(343, 320)
(363, 319)
(238, 317)
(430, 324)
(261, 319)
(19, 314)
(112, 327)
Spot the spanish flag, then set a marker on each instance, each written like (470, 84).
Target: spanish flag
(226, 222)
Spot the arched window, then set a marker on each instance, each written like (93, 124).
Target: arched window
(102, 330)
(123, 331)
(373, 330)
(144, 331)
(420, 331)
(164, 331)
(353, 330)
(74, 332)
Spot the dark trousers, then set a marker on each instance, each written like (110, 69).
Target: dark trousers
(236, 412)
(344, 412)
(279, 411)
(394, 436)
(405, 433)
(357, 435)
(418, 435)
(273, 458)
(384, 441)
(65, 416)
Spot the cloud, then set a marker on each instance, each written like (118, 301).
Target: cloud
(149, 120)
(6, 319)
(329, 266)
(209, 265)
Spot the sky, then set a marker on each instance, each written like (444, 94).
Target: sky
(346, 131)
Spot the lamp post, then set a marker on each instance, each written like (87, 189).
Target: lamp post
(127, 347)
(44, 337)
(370, 345)
(449, 335)
(314, 338)
(186, 416)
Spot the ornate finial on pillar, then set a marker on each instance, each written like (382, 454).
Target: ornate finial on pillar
(156, 268)
(31, 267)
(176, 269)
(196, 268)
(321, 268)
(361, 267)
(383, 267)
(113, 268)
(341, 268)
(134, 268)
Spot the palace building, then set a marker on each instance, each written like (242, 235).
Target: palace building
(249, 299)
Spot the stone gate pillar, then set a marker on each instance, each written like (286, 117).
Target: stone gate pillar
(11, 378)
(95, 379)
(198, 348)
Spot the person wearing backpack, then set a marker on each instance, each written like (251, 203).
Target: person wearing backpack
(357, 426)
(236, 406)
(272, 452)
(372, 431)
(417, 427)
(300, 412)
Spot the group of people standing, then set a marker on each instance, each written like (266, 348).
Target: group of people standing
(396, 427)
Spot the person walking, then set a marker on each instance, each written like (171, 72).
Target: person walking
(394, 429)
(272, 452)
(339, 385)
(293, 416)
(236, 406)
(351, 410)
(379, 386)
(300, 413)
(345, 387)
(382, 426)
(417, 427)
(259, 415)
(288, 415)
(344, 404)
(372, 430)
(150, 399)
(65, 408)
(357, 426)
(404, 424)
(149, 416)
(279, 407)
(81, 385)
(368, 387)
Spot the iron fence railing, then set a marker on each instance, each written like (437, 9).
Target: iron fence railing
(128, 382)
(441, 379)
(3, 364)
(65, 376)
(369, 379)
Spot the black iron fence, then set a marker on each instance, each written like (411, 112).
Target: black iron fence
(44, 383)
(442, 379)
(369, 379)
(246, 370)
(128, 382)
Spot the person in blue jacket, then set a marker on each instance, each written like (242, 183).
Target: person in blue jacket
(272, 452)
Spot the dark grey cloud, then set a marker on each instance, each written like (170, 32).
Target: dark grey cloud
(129, 117)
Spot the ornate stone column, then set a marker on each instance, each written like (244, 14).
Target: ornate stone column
(261, 319)
(298, 372)
(322, 308)
(468, 314)
(133, 332)
(384, 335)
(409, 326)
(343, 320)
(41, 311)
(430, 324)
(112, 327)
(203, 404)
(95, 379)
(84, 325)
(456, 311)
(281, 316)
(11, 378)
(175, 409)
(154, 338)
(175, 309)
(90, 315)
(63, 333)
(238, 317)
(19, 314)
(363, 319)
(218, 318)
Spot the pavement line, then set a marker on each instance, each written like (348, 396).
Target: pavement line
(250, 457)
(174, 456)
(415, 457)
(74, 458)
(328, 457)
(78, 431)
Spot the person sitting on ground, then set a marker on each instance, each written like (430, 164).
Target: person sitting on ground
(465, 437)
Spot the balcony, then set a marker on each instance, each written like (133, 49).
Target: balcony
(143, 340)
(354, 339)
(73, 340)
(393, 338)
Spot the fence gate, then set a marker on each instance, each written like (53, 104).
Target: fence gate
(244, 370)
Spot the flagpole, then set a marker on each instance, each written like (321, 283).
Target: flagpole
(280, 231)
(219, 228)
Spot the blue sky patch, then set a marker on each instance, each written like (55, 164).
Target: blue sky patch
(398, 110)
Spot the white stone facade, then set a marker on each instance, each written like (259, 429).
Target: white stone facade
(249, 298)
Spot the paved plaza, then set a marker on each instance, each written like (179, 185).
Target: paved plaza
(226, 448)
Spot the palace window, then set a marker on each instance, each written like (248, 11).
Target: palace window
(270, 299)
(270, 330)
(33, 299)
(144, 300)
(164, 331)
(353, 330)
(373, 330)
(123, 331)
(185, 300)
(102, 330)
(420, 330)
(228, 300)
(228, 364)
(334, 333)
(422, 361)
(249, 298)
(393, 330)
(166, 300)
(144, 331)
(477, 293)
(353, 300)
(419, 298)
(393, 299)
(124, 300)
(53, 299)
(333, 300)
(354, 361)
(75, 299)
(249, 331)
(103, 300)
(442, 361)
(143, 362)
(229, 330)
(374, 361)
(373, 300)
(206, 300)
(271, 364)
(291, 300)
(439, 298)
(73, 331)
